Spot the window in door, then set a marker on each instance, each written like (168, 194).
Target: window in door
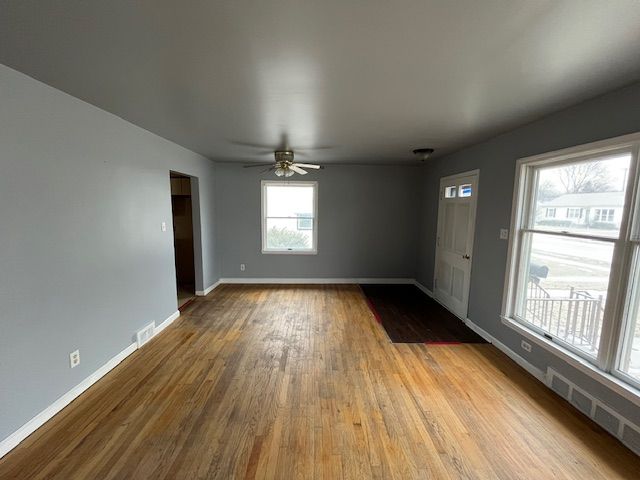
(466, 190)
(450, 192)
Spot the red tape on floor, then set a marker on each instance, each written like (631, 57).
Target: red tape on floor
(373, 310)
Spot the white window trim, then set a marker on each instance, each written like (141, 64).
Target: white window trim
(263, 213)
(603, 371)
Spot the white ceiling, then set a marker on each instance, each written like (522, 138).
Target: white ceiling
(372, 79)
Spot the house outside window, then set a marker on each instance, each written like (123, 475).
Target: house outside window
(589, 210)
(573, 281)
(305, 221)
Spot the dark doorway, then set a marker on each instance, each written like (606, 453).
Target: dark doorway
(181, 206)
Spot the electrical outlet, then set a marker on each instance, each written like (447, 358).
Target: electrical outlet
(74, 359)
(504, 234)
(525, 346)
(163, 226)
(242, 267)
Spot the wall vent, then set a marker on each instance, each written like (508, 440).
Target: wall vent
(146, 334)
(618, 426)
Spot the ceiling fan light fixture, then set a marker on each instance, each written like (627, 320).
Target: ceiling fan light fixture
(423, 153)
(285, 166)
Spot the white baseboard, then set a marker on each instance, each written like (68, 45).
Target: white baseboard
(41, 418)
(536, 372)
(36, 422)
(166, 323)
(423, 288)
(321, 280)
(547, 379)
(209, 289)
(609, 381)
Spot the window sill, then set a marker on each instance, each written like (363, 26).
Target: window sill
(610, 381)
(290, 252)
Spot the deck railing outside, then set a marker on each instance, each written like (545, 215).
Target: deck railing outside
(576, 319)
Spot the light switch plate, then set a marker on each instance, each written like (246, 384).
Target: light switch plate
(163, 226)
(504, 234)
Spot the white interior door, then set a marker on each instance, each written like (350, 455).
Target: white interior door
(454, 247)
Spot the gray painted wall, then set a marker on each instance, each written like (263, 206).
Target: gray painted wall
(83, 262)
(368, 223)
(614, 114)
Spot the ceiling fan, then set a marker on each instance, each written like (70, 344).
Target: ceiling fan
(284, 165)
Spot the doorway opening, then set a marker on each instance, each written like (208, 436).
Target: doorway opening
(454, 246)
(182, 211)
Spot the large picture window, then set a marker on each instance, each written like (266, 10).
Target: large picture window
(574, 276)
(289, 223)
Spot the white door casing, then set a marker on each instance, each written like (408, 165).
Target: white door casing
(454, 244)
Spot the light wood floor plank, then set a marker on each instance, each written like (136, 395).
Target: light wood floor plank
(263, 382)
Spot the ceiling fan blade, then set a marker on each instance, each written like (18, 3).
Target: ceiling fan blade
(319, 147)
(297, 169)
(258, 165)
(264, 152)
(308, 165)
(250, 144)
(268, 169)
(282, 144)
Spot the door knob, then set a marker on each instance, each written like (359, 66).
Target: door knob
(466, 257)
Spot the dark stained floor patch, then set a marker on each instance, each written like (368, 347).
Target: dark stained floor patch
(410, 316)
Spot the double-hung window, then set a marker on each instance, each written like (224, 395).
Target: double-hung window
(576, 285)
(604, 214)
(289, 217)
(574, 213)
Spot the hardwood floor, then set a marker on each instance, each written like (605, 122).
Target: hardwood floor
(302, 382)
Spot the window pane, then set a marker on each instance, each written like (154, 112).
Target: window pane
(566, 287)
(450, 192)
(630, 354)
(582, 197)
(289, 200)
(285, 234)
(465, 190)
